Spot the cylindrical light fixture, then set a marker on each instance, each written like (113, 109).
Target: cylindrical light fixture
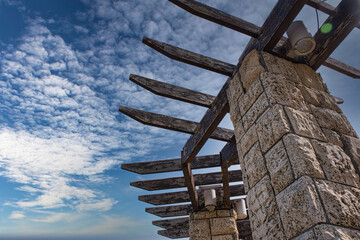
(240, 209)
(300, 39)
(210, 199)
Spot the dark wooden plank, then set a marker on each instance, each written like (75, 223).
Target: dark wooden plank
(171, 123)
(170, 211)
(175, 233)
(178, 182)
(173, 92)
(229, 155)
(171, 165)
(183, 196)
(343, 22)
(208, 124)
(342, 67)
(172, 223)
(190, 185)
(219, 17)
(324, 7)
(226, 186)
(191, 58)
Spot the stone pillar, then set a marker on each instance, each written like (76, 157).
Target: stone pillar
(213, 225)
(299, 155)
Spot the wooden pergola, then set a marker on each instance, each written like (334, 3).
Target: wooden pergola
(269, 37)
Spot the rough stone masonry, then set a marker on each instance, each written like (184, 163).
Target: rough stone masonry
(299, 154)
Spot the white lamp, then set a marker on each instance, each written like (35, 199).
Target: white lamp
(240, 209)
(300, 39)
(210, 199)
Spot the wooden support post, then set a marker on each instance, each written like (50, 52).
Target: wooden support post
(190, 185)
(225, 182)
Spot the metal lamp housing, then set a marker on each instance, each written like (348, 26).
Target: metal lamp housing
(210, 199)
(301, 40)
(241, 209)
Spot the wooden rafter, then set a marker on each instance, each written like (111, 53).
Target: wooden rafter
(191, 58)
(183, 196)
(178, 182)
(171, 123)
(343, 22)
(173, 92)
(171, 165)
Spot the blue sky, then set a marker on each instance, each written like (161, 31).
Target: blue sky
(64, 71)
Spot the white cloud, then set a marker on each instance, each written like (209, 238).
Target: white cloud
(17, 215)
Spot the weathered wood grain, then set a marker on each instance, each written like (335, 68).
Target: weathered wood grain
(229, 155)
(342, 67)
(183, 196)
(190, 185)
(173, 92)
(219, 17)
(170, 211)
(208, 124)
(226, 186)
(174, 233)
(189, 57)
(178, 182)
(171, 165)
(172, 223)
(171, 123)
(343, 22)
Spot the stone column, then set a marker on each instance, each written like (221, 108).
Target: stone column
(299, 155)
(213, 225)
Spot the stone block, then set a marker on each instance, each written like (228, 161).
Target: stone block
(263, 212)
(280, 66)
(300, 207)
(332, 136)
(352, 149)
(319, 98)
(309, 235)
(200, 229)
(341, 203)
(332, 120)
(254, 165)
(279, 167)
(304, 124)
(250, 69)
(203, 215)
(225, 237)
(248, 140)
(282, 91)
(223, 213)
(245, 179)
(326, 232)
(221, 226)
(309, 77)
(336, 164)
(255, 111)
(235, 89)
(234, 111)
(271, 127)
(247, 99)
(302, 157)
(239, 130)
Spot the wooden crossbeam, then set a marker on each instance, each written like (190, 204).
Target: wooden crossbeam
(191, 58)
(190, 185)
(172, 223)
(173, 92)
(171, 165)
(174, 233)
(229, 155)
(208, 124)
(342, 67)
(343, 22)
(171, 123)
(218, 17)
(324, 7)
(178, 182)
(183, 196)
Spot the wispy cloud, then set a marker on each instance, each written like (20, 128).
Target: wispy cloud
(17, 215)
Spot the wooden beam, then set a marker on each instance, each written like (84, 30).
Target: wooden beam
(170, 211)
(174, 233)
(190, 185)
(342, 67)
(226, 186)
(208, 124)
(343, 22)
(219, 17)
(171, 165)
(183, 196)
(191, 58)
(173, 92)
(171, 123)
(229, 155)
(324, 7)
(172, 223)
(178, 182)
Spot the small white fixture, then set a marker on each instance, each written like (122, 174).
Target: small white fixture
(210, 199)
(300, 39)
(240, 209)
